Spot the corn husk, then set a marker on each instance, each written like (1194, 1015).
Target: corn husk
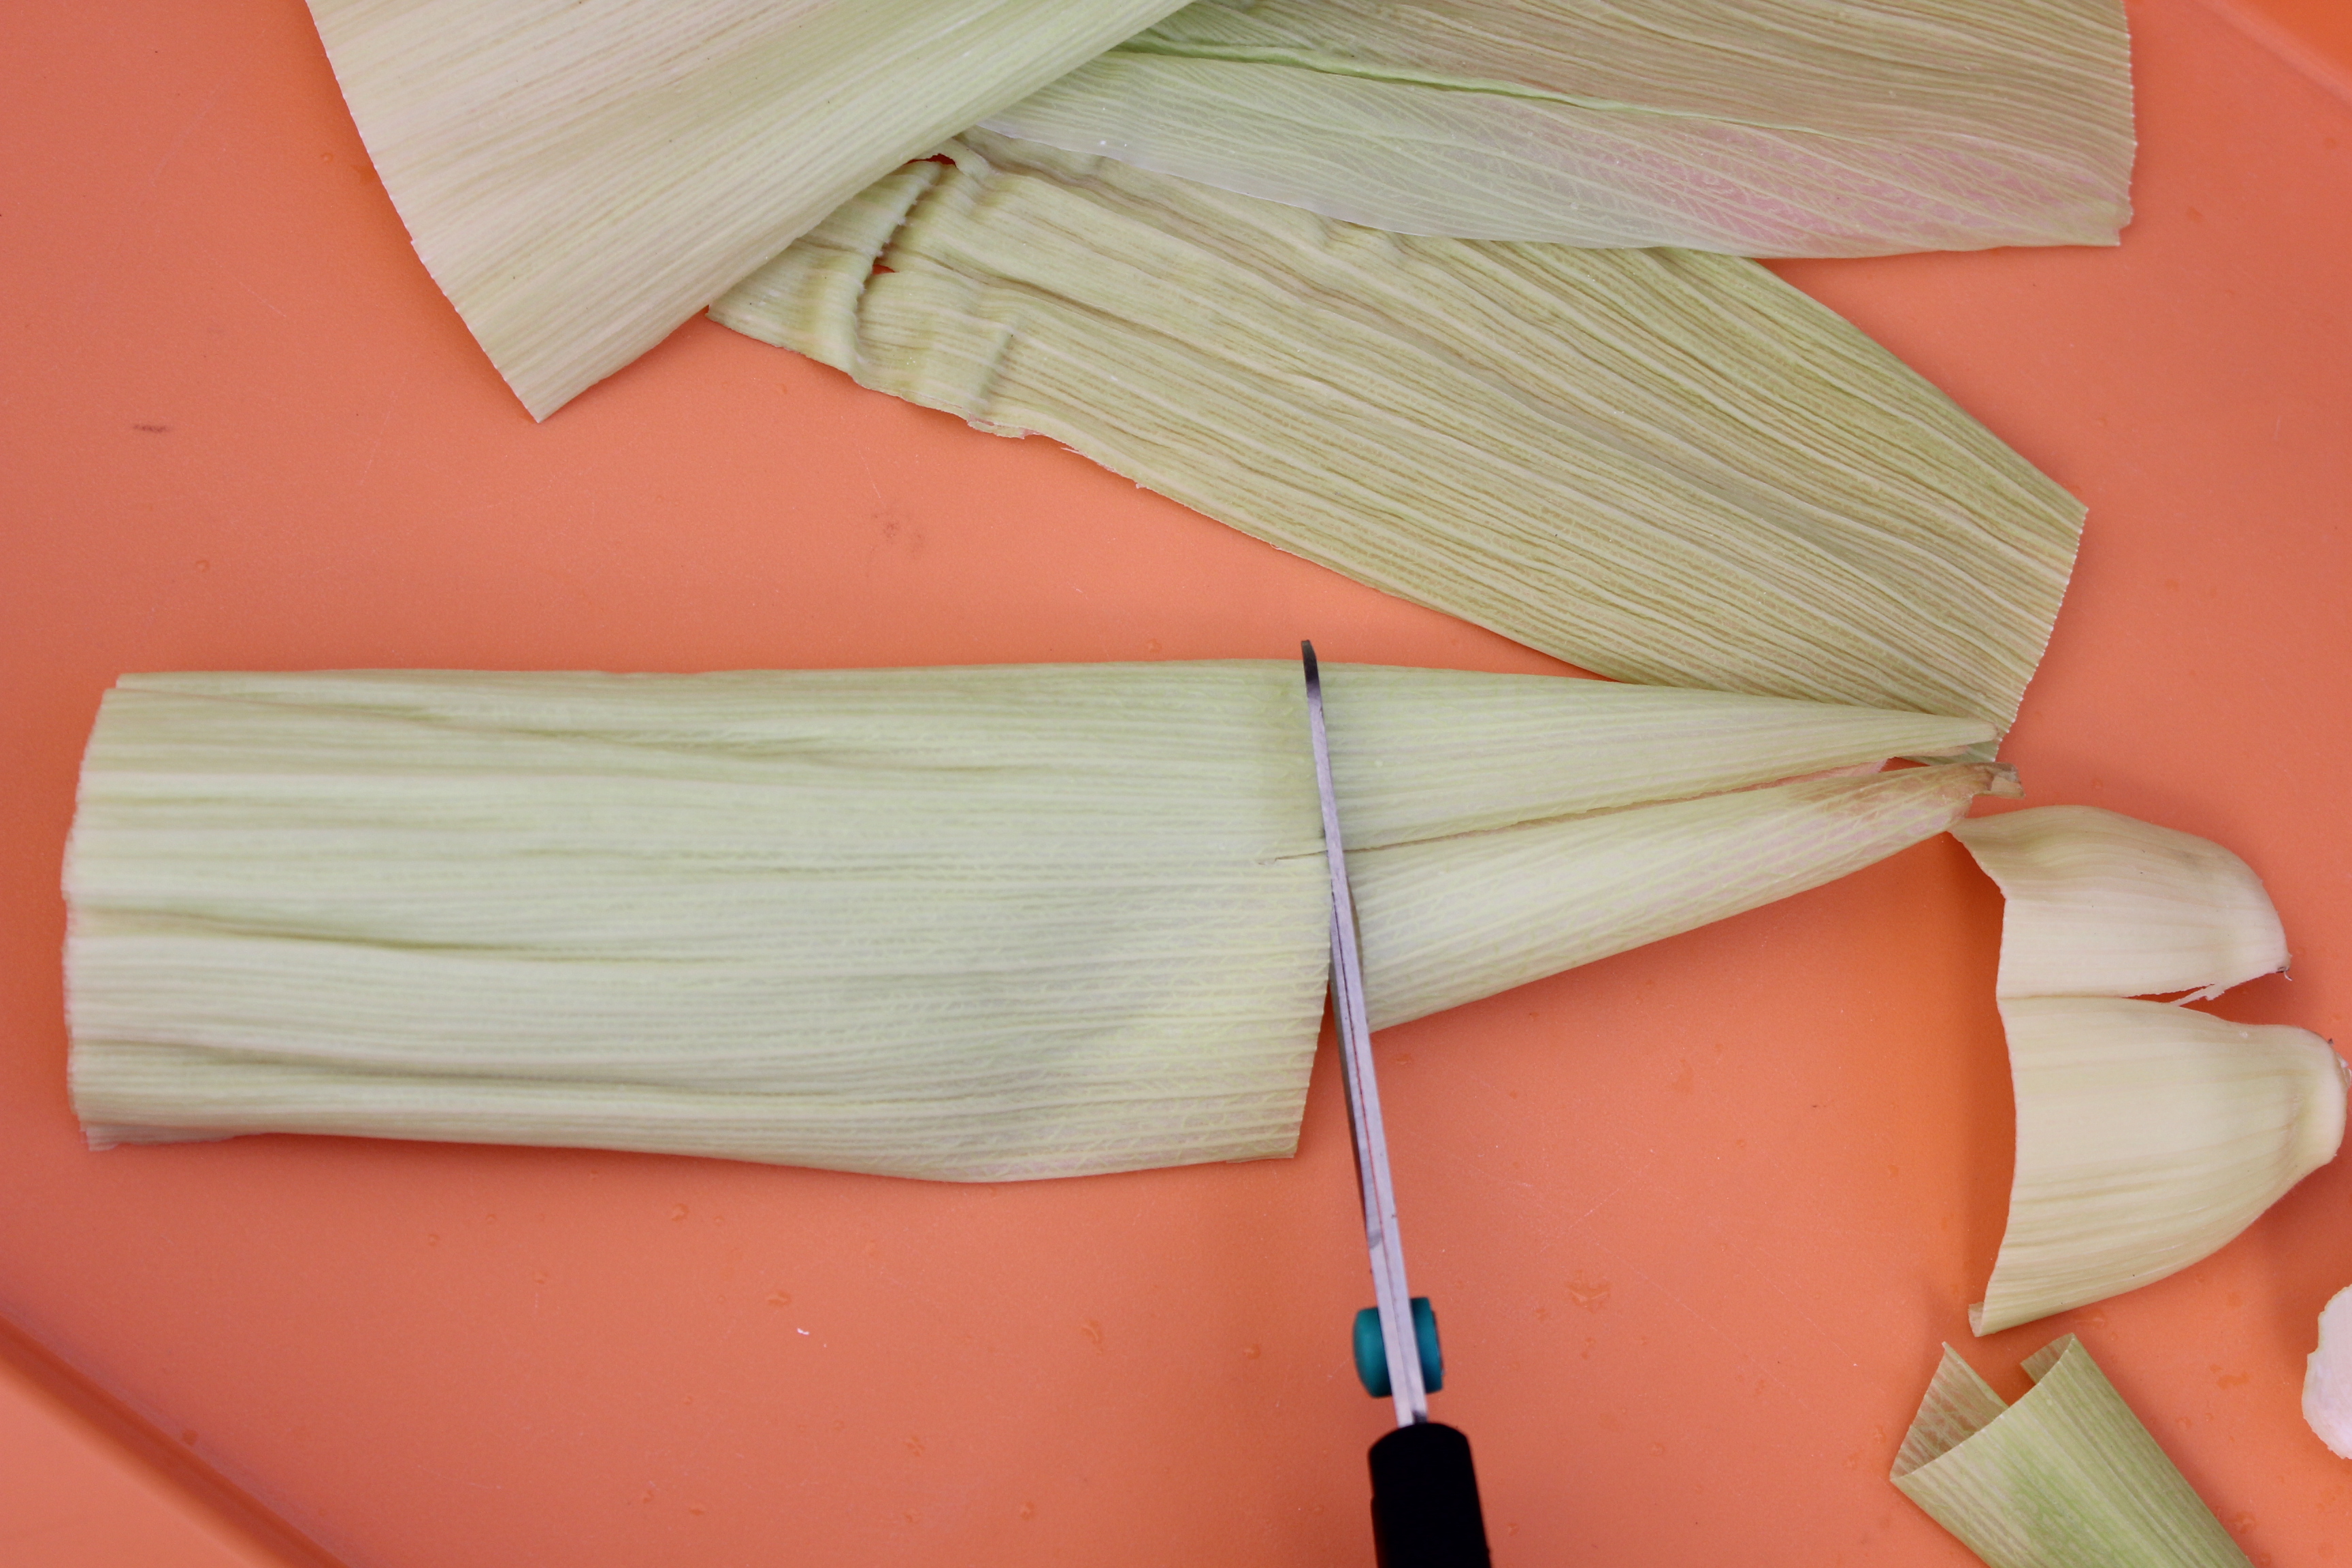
(579, 176)
(976, 924)
(2148, 1137)
(1667, 467)
(2066, 1478)
(1447, 921)
(2327, 1377)
(1421, 754)
(1758, 127)
(2100, 904)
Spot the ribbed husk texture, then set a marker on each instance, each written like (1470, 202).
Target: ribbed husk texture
(968, 923)
(581, 176)
(2148, 1135)
(1755, 127)
(1662, 466)
(2066, 1478)
(2096, 903)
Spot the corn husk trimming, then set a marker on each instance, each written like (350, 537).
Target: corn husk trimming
(2148, 1135)
(2327, 1377)
(1663, 465)
(2066, 1478)
(971, 923)
(1755, 127)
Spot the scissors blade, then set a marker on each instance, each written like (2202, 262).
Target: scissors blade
(1395, 1300)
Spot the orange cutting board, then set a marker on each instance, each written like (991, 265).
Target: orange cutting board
(1695, 1219)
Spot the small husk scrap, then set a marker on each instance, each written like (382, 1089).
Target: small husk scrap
(2148, 1135)
(2100, 904)
(2327, 1377)
(1663, 465)
(1757, 127)
(2066, 1478)
(977, 924)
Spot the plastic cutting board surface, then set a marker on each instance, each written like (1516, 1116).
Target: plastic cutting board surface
(1695, 1219)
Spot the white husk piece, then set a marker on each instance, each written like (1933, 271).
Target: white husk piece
(2148, 1135)
(2066, 1478)
(967, 924)
(579, 176)
(2327, 1377)
(1663, 465)
(1756, 127)
(2100, 904)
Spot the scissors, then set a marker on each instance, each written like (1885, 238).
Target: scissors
(1425, 1512)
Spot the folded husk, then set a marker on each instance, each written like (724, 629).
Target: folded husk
(2100, 904)
(2148, 1137)
(1450, 920)
(1760, 126)
(1427, 753)
(1663, 465)
(581, 176)
(968, 923)
(2066, 1478)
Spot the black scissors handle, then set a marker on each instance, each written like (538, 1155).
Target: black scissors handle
(1425, 1499)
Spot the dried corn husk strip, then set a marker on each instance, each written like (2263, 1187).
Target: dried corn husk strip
(974, 923)
(1667, 467)
(2066, 1478)
(2148, 1137)
(1760, 127)
(946, 923)
(1448, 921)
(2100, 904)
(1426, 754)
(581, 176)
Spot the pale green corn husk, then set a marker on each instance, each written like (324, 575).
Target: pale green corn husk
(2148, 1137)
(1663, 465)
(1424, 753)
(2066, 1478)
(970, 924)
(581, 176)
(2100, 904)
(2327, 1377)
(1449, 921)
(1757, 127)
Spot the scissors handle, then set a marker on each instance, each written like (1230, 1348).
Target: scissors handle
(1425, 1509)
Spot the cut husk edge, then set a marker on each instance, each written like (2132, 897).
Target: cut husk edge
(975, 924)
